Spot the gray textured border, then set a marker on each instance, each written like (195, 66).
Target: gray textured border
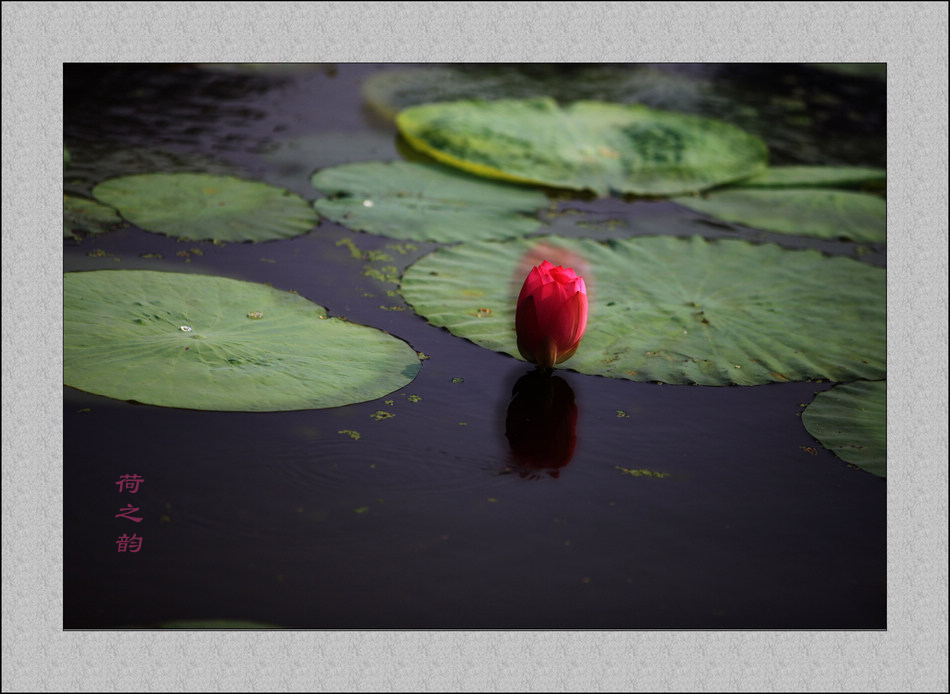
(910, 656)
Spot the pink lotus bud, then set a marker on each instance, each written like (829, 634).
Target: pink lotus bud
(551, 315)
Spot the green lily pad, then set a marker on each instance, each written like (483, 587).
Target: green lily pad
(425, 202)
(816, 177)
(587, 145)
(211, 343)
(92, 163)
(206, 207)
(851, 421)
(794, 124)
(675, 310)
(820, 212)
(90, 216)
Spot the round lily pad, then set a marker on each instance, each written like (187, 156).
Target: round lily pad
(587, 145)
(819, 212)
(93, 163)
(851, 421)
(212, 343)
(675, 310)
(206, 207)
(424, 202)
(80, 214)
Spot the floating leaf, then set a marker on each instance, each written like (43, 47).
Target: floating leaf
(794, 122)
(425, 202)
(677, 310)
(90, 216)
(587, 145)
(851, 421)
(827, 214)
(177, 340)
(816, 177)
(201, 206)
(93, 163)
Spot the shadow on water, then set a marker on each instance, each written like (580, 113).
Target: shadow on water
(540, 425)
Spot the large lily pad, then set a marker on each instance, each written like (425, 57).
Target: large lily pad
(212, 343)
(425, 202)
(794, 123)
(851, 421)
(588, 145)
(206, 207)
(820, 212)
(676, 310)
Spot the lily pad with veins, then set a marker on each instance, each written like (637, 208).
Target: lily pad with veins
(587, 145)
(212, 343)
(675, 310)
(206, 207)
(425, 202)
(819, 212)
(851, 421)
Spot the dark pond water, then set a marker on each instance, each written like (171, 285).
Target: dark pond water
(428, 520)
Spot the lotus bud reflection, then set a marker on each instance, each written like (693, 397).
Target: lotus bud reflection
(540, 424)
(551, 314)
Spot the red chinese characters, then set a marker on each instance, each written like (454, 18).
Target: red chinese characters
(129, 544)
(131, 484)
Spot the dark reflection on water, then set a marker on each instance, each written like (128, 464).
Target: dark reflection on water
(540, 424)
